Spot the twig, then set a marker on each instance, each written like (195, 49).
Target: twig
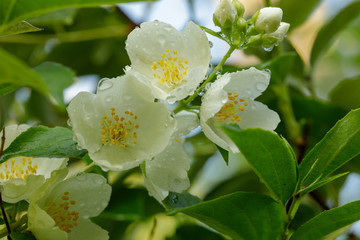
(1, 201)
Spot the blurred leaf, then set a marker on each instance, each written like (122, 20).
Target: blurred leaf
(346, 93)
(22, 236)
(328, 222)
(241, 215)
(175, 201)
(296, 12)
(6, 88)
(5, 104)
(279, 66)
(59, 17)
(320, 115)
(330, 29)
(246, 182)
(271, 158)
(57, 77)
(19, 27)
(130, 205)
(42, 141)
(12, 11)
(12, 70)
(340, 145)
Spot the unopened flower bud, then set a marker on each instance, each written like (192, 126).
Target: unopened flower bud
(273, 38)
(239, 7)
(268, 19)
(224, 15)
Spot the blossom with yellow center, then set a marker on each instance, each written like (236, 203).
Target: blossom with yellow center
(120, 125)
(21, 176)
(230, 99)
(173, 63)
(61, 209)
(167, 171)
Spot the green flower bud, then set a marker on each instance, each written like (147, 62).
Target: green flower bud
(271, 39)
(239, 7)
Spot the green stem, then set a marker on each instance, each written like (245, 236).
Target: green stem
(183, 104)
(291, 125)
(267, 3)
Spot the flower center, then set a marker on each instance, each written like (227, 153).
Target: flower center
(63, 218)
(119, 131)
(228, 113)
(170, 70)
(17, 168)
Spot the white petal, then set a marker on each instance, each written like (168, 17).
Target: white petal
(42, 225)
(90, 192)
(197, 48)
(85, 119)
(248, 83)
(146, 44)
(258, 115)
(18, 189)
(12, 131)
(88, 230)
(216, 135)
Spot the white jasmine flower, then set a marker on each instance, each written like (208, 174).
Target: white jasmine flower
(230, 99)
(167, 171)
(268, 19)
(120, 125)
(20, 176)
(173, 63)
(61, 209)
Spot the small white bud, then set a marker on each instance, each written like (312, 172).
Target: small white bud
(268, 19)
(224, 14)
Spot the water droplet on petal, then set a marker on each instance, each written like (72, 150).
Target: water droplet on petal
(174, 198)
(261, 87)
(104, 84)
(69, 122)
(98, 180)
(108, 99)
(176, 181)
(211, 44)
(79, 148)
(81, 177)
(127, 97)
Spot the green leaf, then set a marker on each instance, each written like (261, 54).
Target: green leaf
(6, 88)
(12, 11)
(175, 201)
(330, 29)
(339, 145)
(57, 77)
(316, 185)
(328, 222)
(22, 236)
(271, 158)
(224, 154)
(346, 93)
(12, 70)
(241, 215)
(296, 12)
(20, 27)
(42, 141)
